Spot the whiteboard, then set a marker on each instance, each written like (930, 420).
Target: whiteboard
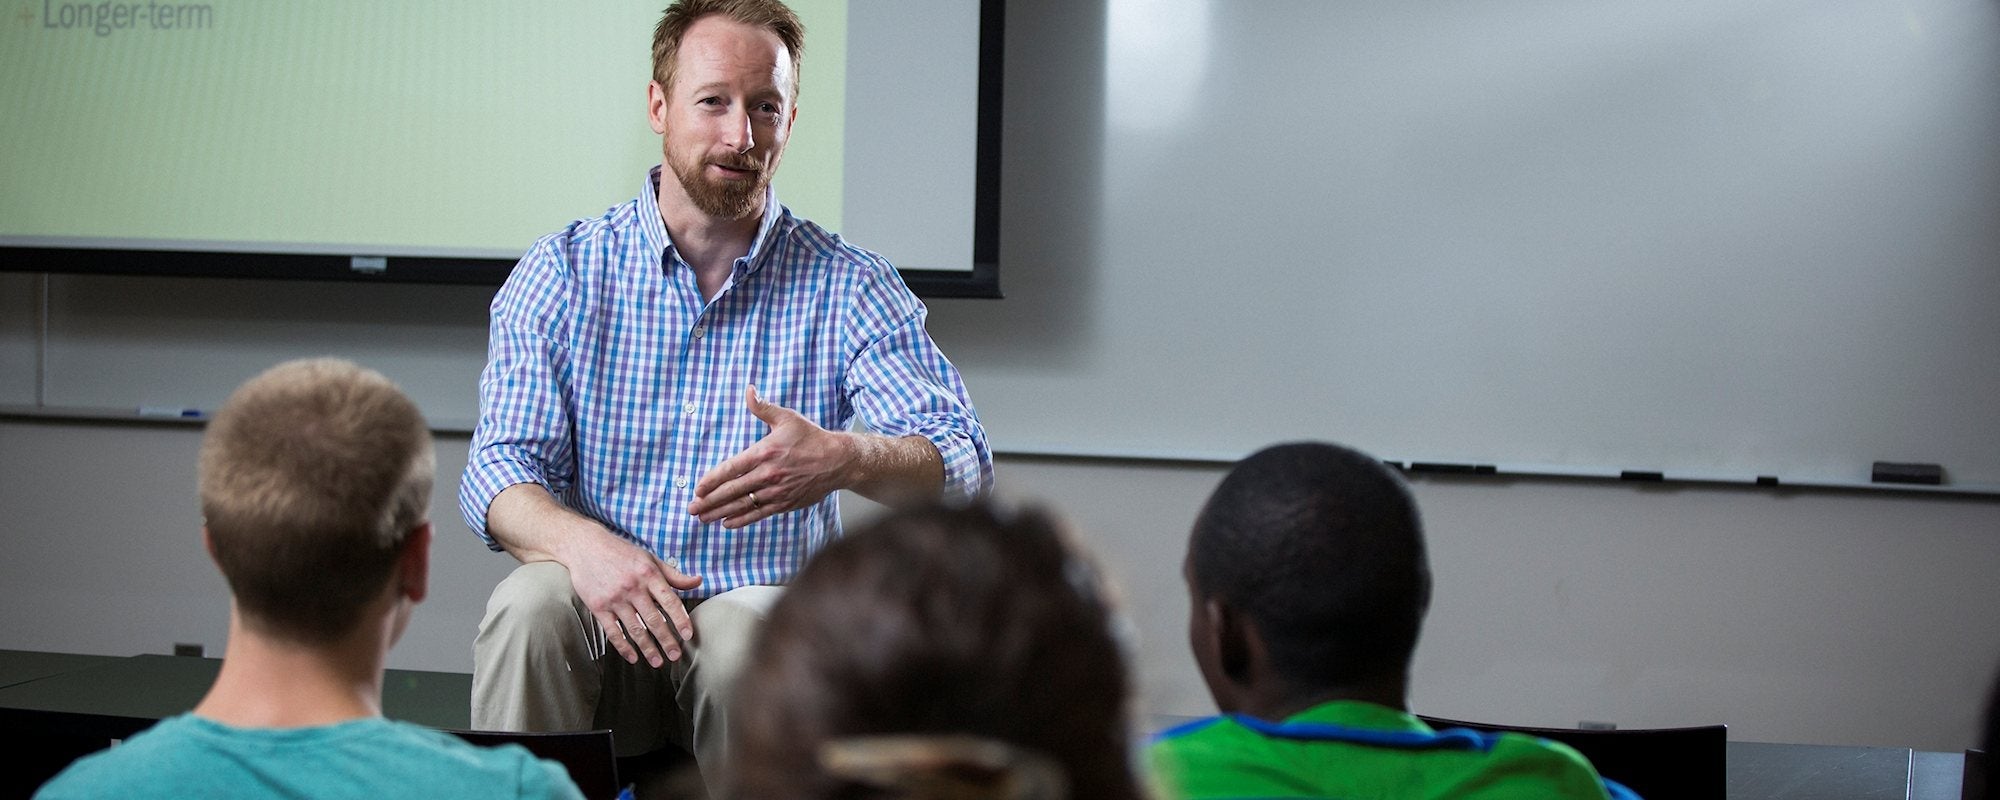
(1701, 238)
(1718, 237)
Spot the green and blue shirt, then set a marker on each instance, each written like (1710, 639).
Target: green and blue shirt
(1361, 751)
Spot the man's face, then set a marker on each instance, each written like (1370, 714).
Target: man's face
(726, 117)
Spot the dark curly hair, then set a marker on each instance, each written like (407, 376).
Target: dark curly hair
(951, 623)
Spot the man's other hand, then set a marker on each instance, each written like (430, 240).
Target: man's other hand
(794, 466)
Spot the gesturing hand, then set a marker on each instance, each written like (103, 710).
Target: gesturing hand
(796, 465)
(631, 593)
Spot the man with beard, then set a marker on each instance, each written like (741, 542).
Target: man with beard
(665, 411)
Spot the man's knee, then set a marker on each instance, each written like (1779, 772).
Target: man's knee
(534, 604)
(724, 627)
(533, 668)
(726, 624)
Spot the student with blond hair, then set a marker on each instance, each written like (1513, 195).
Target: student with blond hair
(315, 478)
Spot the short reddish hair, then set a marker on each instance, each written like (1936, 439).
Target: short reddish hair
(770, 15)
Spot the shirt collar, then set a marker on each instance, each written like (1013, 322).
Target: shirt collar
(653, 227)
(1357, 714)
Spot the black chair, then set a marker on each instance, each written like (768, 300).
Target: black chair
(1973, 785)
(589, 756)
(36, 756)
(1657, 763)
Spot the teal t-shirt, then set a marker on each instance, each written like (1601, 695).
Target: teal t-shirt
(1362, 751)
(364, 759)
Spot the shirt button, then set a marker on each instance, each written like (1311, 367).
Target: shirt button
(689, 408)
(674, 562)
(699, 330)
(681, 483)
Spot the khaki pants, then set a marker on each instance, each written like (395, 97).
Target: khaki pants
(539, 665)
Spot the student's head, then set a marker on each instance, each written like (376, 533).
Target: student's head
(724, 92)
(315, 477)
(1306, 567)
(979, 637)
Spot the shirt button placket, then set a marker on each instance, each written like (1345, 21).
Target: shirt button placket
(697, 332)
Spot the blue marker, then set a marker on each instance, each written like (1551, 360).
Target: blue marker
(170, 411)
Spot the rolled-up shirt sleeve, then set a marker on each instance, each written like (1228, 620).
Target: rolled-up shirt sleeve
(524, 433)
(901, 384)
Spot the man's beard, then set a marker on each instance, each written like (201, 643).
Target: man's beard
(724, 199)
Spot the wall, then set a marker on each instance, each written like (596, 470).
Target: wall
(1849, 618)
(1707, 238)
(1810, 617)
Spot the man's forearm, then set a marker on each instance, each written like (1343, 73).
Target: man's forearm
(895, 469)
(533, 526)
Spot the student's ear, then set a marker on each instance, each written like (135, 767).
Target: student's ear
(413, 564)
(208, 546)
(1236, 646)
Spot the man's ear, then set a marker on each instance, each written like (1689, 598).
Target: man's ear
(656, 106)
(413, 564)
(1237, 648)
(208, 546)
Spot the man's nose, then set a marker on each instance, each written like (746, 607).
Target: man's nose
(740, 134)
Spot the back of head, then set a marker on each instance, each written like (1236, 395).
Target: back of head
(982, 635)
(312, 475)
(1322, 548)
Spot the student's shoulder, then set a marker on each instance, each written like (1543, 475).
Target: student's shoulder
(456, 768)
(1215, 757)
(141, 765)
(1557, 769)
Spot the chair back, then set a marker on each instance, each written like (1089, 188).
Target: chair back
(1972, 786)
(589, 756)
(1657, 763)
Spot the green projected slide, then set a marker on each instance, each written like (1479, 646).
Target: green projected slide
(376, 127)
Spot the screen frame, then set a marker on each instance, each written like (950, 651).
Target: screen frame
(982, 281)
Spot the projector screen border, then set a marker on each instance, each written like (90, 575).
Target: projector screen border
(982, 281)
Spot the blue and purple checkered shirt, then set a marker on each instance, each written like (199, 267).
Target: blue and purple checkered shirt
(610, 381)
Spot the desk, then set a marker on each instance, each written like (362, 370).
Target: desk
(122, 696)
(1768, 770)
(21, 666)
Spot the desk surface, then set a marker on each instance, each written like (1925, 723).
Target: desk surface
(21, 666)
(1760, 770)
(136, 691)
